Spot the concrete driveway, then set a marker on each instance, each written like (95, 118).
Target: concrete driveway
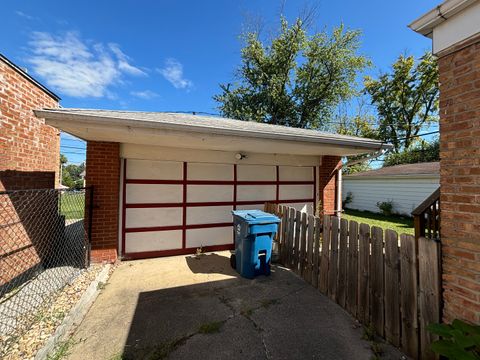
(199, 308)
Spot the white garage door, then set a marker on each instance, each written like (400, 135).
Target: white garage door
(172, 208)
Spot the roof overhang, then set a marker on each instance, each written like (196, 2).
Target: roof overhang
(198, 136)
(451, 22)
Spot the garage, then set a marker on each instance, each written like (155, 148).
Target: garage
(166, 183)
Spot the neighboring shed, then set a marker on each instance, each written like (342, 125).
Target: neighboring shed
(405, 185)
(165, 183)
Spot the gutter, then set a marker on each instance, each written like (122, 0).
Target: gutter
(425, 24)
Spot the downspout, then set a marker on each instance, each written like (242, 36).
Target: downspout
(339, 192)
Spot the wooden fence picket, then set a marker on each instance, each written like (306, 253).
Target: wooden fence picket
(352, 272)
(291, 236)
(392, 288)
(333, 263)
(316, 251)
(296, 246)
(429, 292)
(325, 255)
(408, 297)
(363, 307)
(342, 263)
(303, 245)
(310, 239)
(377, 280)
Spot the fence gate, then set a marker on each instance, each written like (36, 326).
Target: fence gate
(43, 246)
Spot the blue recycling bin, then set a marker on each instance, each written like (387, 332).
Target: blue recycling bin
(254, 231)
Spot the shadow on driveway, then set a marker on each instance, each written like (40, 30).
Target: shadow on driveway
(211, 313)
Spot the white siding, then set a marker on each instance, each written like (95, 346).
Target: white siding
(406, 193)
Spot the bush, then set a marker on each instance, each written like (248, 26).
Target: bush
(348, 199)
(386, 207)
(458, 341)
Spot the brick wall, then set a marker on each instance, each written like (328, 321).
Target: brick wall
(460, 180)
(26, 143)
(327, 183)
(29, 159)
(103, 172)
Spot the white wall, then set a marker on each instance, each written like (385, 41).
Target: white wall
(405, 192)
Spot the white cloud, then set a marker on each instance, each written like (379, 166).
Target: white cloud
(24, 15)
(146, 94)
(173, 72)
(123, 61)
(76, 68)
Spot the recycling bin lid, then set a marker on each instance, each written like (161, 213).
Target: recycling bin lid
(256, 216)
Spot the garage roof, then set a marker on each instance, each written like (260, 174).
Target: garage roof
(204, 130)
(419, 169)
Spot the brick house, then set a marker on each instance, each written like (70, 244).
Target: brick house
(29, 159)
(29, 149)
(165, 184)
(454, 27)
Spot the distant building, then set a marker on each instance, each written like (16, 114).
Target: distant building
(406, 186)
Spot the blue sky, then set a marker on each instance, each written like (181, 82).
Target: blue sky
(172, 55)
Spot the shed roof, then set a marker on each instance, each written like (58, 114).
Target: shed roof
(419, 169)
(141, 126)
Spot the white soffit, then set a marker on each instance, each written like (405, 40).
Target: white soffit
(450, 23)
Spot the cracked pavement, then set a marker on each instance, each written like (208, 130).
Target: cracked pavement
(153, 309)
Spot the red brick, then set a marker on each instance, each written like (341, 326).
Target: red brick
(460, 180)
(103, 173)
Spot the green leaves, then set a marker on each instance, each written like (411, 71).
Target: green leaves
(421, 152)
(459, 341)
(406, 99)
(295, 80)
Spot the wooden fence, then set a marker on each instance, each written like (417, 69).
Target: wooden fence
(386, 281)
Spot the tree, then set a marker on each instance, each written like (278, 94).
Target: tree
(406, 100)
(296, 80)
(71, 173)
(361, 124)
(422, 152)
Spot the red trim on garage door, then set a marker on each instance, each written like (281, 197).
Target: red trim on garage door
(173, 252)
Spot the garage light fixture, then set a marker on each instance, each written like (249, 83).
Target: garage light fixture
(240, 156)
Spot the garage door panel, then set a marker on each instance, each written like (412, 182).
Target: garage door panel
(209, 193)
(153, 217)
(209, 214)
(287, 192)
(256, 192)
(205, 171)
(209, 236)
(154, 170)
(256, 173)
(154, 193)
(295, 173)
(153, 241)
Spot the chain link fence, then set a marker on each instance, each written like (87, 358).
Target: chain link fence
(43, 246)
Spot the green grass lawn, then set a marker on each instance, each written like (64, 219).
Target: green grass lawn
(72, 205)
(398, 223)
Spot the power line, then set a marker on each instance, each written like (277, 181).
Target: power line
(70, 139)
(72, 147)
